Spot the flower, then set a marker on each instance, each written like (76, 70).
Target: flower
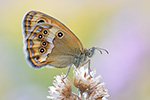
(83, 81)
(62, 89)
(98, 93)
(89, 88)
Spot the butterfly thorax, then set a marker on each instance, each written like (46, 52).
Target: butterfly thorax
(83, 57)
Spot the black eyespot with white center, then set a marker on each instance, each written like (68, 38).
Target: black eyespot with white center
(42, 50)
(44, 43)
(40, 36)
(45, 32)
(60, 34)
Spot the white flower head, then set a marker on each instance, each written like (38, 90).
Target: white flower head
(98, 93)
(62, 89)
(83, 81)
(89, 88)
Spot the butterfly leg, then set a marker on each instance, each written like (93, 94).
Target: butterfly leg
(68, 71)
(89, 68)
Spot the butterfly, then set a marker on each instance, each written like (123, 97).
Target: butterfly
(47, 41)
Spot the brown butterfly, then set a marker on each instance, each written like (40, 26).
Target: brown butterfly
(49, 42)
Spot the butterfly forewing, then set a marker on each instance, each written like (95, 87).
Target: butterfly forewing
(48, 41)
(32, 18)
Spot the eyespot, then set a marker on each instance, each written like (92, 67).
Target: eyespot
(44, 43)
(45, 32)
(41, 21)
(60, 35)
(40, 36)
(42, 50)
(37, 57)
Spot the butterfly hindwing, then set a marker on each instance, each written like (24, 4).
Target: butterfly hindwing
(39, 45)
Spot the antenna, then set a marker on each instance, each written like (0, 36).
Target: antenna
(101, 49)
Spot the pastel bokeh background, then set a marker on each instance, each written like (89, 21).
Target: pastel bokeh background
(120, 26)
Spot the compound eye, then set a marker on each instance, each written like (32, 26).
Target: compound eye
(90, 54)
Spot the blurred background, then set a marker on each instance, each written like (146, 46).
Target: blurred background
(120, 26)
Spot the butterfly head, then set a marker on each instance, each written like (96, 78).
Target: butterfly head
(89, 53)
(86, 55)
(83, 56)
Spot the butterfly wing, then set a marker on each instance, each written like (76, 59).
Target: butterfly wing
(49, 42)
(32, 18)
